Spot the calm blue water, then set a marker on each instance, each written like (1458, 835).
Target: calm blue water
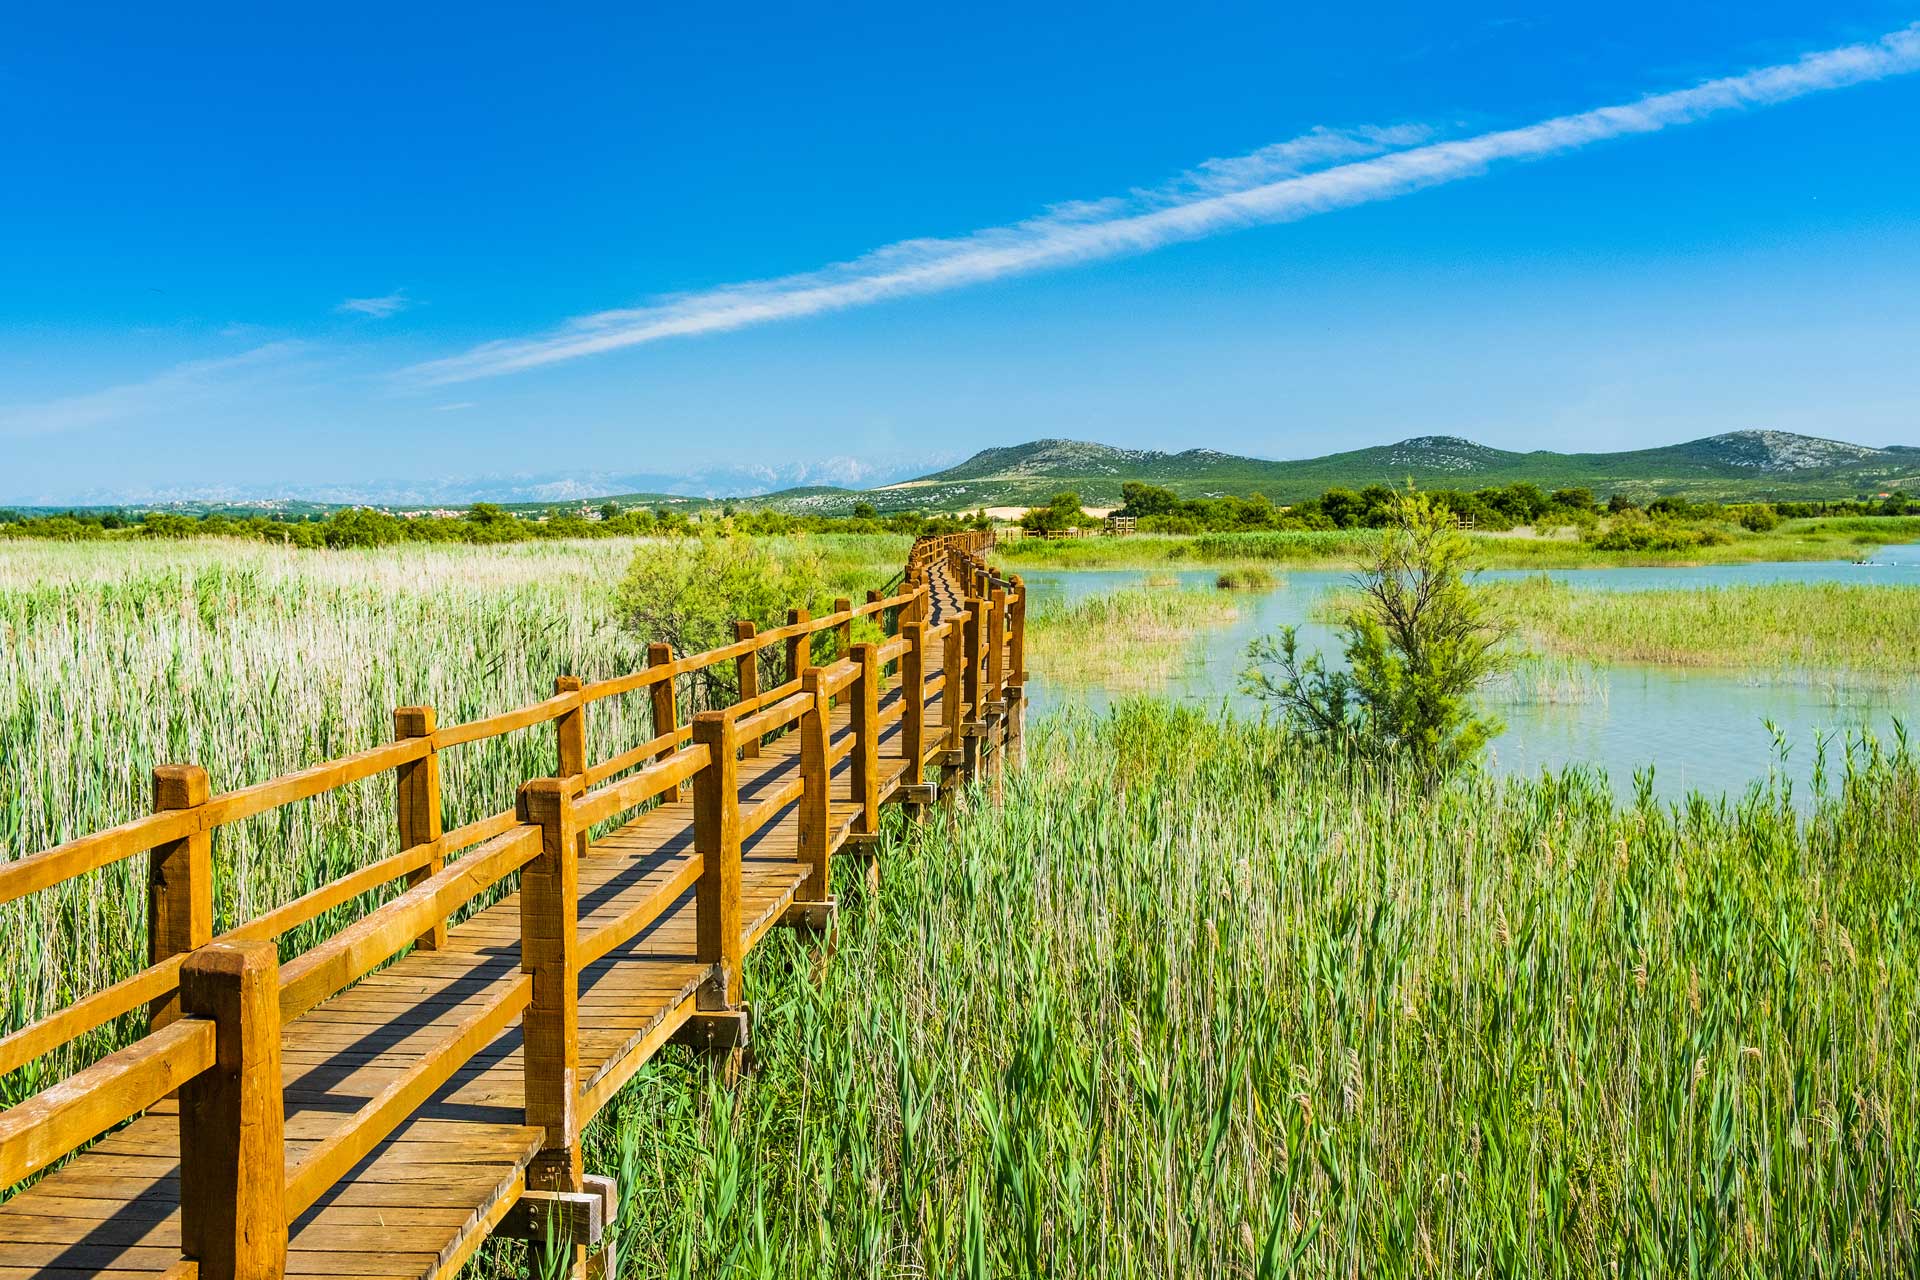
(1699, 730)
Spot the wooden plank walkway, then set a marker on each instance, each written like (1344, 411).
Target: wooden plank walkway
(433, 1190)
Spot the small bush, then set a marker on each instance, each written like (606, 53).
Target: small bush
(1246, 577)
(1633, 531)
(1420, 643)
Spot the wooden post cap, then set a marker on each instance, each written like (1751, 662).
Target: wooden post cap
(413, 722)
(179, 786)
(540, 798)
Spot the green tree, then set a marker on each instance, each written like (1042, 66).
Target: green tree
(1062, 513)
(1142, 499)
(1419, 644)
(688, 594)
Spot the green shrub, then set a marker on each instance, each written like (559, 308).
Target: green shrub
(1246, 577)
(1636, 531)
(1419, 644)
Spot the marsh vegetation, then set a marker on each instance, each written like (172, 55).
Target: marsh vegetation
(1196, 1002)
(1871, 631)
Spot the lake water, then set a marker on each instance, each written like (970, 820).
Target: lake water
(1698, 730)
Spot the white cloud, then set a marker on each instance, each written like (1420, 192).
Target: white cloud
(453, 408)
(1280, 183)
(378, 308)
(184, 383)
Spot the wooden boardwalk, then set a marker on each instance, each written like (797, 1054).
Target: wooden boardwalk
(429, 1102)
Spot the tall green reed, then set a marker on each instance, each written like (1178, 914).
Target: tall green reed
(1191, 1004)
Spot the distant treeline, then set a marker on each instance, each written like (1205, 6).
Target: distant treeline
(482, 523)
(1160, 510)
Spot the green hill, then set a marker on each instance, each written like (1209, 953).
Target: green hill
(1747, 465)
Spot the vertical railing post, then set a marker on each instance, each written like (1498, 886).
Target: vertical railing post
(976, 618)
(716, 838)
(570, 741)
(416, 802)
(550, 954)
(179, 881)
(953, 689)
(233, 1163)
(995, 639)
(874, 597)
(747, 670)
(800, 647)
(1019, 642)
(666, 715)
(570, 732)
(913, 687)
(843, 634)
(1017, 673)
(816, 801)
(866, 737)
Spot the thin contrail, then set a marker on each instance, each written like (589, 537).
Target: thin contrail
(1280, 183)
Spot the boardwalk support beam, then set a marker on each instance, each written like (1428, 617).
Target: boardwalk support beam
(577, 1217)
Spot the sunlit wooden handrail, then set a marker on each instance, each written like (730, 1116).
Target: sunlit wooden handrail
(54, 1121)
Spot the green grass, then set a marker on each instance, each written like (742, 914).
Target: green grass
(1128, 640)
(1191, 1003)
(1837, 538)
(1785, 627)
(1247, 577)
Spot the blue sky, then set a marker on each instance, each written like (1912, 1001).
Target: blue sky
(253, 253)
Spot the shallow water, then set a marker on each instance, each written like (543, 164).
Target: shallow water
(1697, 730)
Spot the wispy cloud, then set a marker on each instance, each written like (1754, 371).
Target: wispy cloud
(1322, 171)
(454, 407)
(186, 383)
(378, 308)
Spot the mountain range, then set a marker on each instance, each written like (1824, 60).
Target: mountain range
(1737, 465)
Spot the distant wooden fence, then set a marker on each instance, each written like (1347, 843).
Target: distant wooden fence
(216, 1005)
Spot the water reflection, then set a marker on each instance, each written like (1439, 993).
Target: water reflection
(1699, 730)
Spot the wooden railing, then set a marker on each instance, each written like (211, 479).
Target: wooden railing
(217, 1005)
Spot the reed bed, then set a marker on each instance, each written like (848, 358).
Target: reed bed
(1247, 577)
(1196, 1002)
(1824, 538)
(1133, 639)
(1790, 627)
(253, 661)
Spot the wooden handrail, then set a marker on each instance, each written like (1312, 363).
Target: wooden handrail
(596, 945)
(87, 1103)
(314, 1174)
(768, 719)
(630, 793)
(373, 939)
